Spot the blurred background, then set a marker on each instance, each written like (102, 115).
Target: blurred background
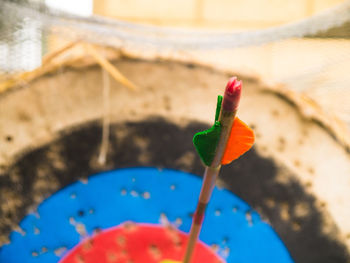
(276, 40)
(59, 109)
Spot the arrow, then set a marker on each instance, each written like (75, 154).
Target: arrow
(224, 142)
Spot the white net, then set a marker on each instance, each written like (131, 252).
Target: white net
(310, 56)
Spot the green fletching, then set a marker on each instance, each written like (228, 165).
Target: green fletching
(218, 107)
(205, 142)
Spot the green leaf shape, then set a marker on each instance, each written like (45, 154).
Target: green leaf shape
(218, 107)
(206, 141)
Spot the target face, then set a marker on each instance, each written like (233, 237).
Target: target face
(141, 215)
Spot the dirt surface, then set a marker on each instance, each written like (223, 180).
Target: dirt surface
(288, 177)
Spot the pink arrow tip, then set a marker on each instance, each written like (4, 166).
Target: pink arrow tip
(232, 94)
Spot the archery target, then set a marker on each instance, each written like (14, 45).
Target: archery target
(156, 202)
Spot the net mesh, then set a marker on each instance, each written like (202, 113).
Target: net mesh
(309, 56)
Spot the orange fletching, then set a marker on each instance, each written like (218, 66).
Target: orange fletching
(240, 141)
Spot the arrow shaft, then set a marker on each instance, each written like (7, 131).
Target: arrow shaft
(211, 172)
(210, 176)
(226, 119)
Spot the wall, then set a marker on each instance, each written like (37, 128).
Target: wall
(239, 14)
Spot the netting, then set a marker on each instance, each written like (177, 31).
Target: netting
(309, 56)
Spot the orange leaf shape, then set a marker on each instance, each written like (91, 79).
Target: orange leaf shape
(240, 141)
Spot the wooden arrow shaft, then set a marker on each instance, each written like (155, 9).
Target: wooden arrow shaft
(210, 176)
(211, 172)
(226, 119)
